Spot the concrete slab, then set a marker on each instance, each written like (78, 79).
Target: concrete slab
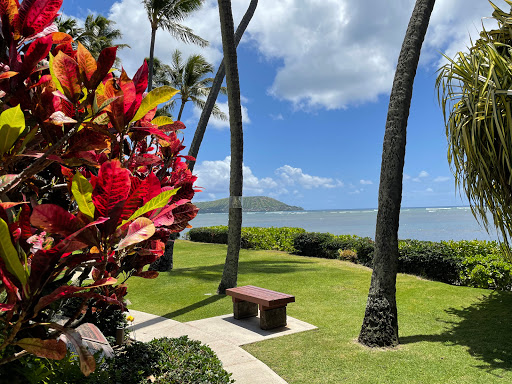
(224, 335)
(246, 331)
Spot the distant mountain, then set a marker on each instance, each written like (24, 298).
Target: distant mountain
(250, 204)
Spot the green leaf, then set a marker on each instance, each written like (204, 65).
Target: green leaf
(9, 254)
(12, 124)
(162, 120)
(159, 201)
(82, 192)
(156, 96)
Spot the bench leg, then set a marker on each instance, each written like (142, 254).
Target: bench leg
(273, 318)
(243, 309)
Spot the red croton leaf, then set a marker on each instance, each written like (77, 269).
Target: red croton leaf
(36, 52)
(68, 291)
(110, 192)
(54, 219)
(87, 361)
(66, 71)
(139, 189)
(35, 15)
(105, 62)
(147, 274)
(86, 64)
(51, 349)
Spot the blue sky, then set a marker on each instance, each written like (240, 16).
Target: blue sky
(315, 80)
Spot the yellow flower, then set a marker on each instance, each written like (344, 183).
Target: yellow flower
(130, 318)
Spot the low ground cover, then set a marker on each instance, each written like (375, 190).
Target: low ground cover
(448, 334)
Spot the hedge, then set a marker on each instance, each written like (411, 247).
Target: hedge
(472, 263)
(277, 239)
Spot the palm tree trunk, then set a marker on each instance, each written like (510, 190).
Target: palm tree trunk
(181, 109)
(214, 90)
(230, 273)
(380, 324)
(151, 54)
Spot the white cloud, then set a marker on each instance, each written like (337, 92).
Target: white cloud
(213, 176)
(295, 176)
(441, 179)
(423, 174)
(365, 182)
(429, 190)
(330, 53)
(279, 116)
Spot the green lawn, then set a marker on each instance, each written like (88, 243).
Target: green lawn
(448, 334)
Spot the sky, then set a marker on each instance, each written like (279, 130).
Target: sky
(315, 78)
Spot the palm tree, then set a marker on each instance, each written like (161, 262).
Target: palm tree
(190, 78)
(70, 26)
(230, 272)
(100, 33)
(167, 14)
(380, 324)
(214, 90)
(474, 93)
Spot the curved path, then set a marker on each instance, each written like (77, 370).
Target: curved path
(224, 335)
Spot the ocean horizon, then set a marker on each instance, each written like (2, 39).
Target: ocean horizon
(420, 223)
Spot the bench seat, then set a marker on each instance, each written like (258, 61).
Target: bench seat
(272, 305)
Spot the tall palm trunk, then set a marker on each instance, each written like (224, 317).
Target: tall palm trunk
(230, 273)
(151, 54)
(181, 109)
(380, 324)
(214, 91)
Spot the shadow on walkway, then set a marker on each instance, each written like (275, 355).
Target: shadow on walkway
(484, 327)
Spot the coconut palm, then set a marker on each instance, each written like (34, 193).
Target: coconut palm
(100, 33)
(474, 91)
(70, 26)
(214, 90)
(167, 14)
(380, 323)
(190, 78)
(230, 272)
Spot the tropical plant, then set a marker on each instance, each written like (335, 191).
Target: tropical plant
(167, 14)
(79, 158)
(190, 78)
(71, 27)
(230, 272)
(214, 90)
(474, 93)
(380, 323)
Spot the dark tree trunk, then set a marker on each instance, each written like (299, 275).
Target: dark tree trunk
(151, 54)
(182, 107)
(230, 273)
(214, 91)
(380, 324)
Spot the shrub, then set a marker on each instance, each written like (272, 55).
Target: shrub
(277, 239)
(486, 271)
(314, 244)
(436, 261)
(347, 255)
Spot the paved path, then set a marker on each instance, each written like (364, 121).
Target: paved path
(224, 335)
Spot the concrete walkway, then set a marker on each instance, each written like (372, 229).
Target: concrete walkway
(224, 335)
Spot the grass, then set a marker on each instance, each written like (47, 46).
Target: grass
(448, 334)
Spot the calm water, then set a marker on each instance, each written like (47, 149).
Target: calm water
(456, 223)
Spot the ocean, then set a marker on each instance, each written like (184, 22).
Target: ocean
(434, 224)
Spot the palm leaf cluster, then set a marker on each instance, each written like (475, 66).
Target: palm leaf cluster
(190, 77)
(98, 33)
(168, 15)
(475, 93)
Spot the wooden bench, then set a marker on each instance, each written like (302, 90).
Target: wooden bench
(272, 305)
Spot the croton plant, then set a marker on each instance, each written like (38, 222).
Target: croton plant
(90, 179)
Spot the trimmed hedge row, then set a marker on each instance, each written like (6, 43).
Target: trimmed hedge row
(276, 239)
(472, 263)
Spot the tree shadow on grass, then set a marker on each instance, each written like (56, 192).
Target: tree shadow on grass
(484, 327)
(209, 300)
(214, 272)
